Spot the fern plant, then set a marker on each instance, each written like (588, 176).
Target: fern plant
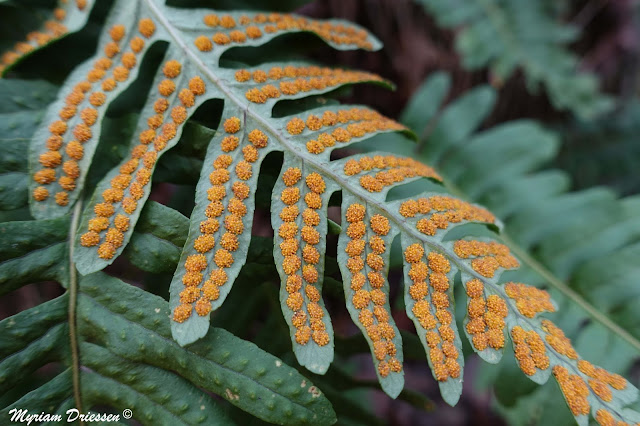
(131, 349)
(506, 35)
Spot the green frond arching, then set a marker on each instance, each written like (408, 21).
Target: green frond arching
(444, 240)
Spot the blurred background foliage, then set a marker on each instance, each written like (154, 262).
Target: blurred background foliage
(548, 87)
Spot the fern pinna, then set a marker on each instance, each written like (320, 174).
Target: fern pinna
(431, 226)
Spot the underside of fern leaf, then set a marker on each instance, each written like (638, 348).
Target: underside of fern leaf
(436, 249)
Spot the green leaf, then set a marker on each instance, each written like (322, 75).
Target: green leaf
(505, 36)
(133, 326)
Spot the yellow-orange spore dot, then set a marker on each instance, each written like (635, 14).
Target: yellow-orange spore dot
(117, 32)
(232, 125)
(211, 20)
(310, 235)
(58, 127)
(97, 99)
(90, 239)
(218, 177)
(203, 43)
(295, 126)
(129, 205)
(203, 307)
(233, 223)
(222, 162)
(103, 209)
(475, 288)
(229, 242)
(149, 159)
(59, 14)
(108, 85)
(143, 176)
(197, 86)
(241, 190)
(375, 261)
(187, 98)
(146, 27)
(216, 193)
(191, 279)
(112, 195)
(244, 170)
(294, 283)
(166, 87)
(221, 39)
(54, 142)
(289, 247)
(229, 143)
(82, 132)
(310, 217)
(114, 237)
(361, 299)
(356, 230)
(210, 290)
(258, 138)
(259, 76)
(67, 183)
(253, 32)
(303, 334)
(172, 69)
(355, 213)
(67, 112)
(50, 158)
(355, 248)
(290, 195)
(242, 75)
(288, 230)
(106, 251)
(204, 243)
(414, 253)
(129, 60)
(313, 200)
(160, 106)
(195, 263)
(120, 73)
(190, 294)
(237, 207)
(250, 153)
(40, 193)
(137, 44)
(227, 21)
(89, 116)
(121, 222)
(315, 183)
(289, 213)
(62, 198)
(366, 317)
(182, 312)
(378, 297)
(380, 224)
(209, 226)
(438, 263)
(605, 418)
(295, 301)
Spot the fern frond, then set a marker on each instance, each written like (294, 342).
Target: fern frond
(506, 35)
(67, 17)
(142, 333)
